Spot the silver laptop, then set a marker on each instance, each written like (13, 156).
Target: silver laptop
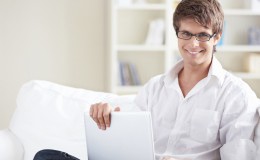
(129, 137)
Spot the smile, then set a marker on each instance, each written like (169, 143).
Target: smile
(194, 52)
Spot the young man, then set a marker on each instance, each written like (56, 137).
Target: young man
(199, 110)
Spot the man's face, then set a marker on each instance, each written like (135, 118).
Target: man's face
(194, 52)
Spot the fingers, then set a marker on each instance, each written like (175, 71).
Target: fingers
(93, 113)
(117, 109)
(106, 115)
(100, 113)
(100, 117)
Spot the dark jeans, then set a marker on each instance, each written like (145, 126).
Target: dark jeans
(48, 154)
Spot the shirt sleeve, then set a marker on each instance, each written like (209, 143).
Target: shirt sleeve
(144, 98)
(257, 137)
(237, 127)
(141, 99)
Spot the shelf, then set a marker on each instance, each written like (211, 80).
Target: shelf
(140, 48)
(141, 7)
(241, 12)
(127, 40)
(238, 48)
(245, 75)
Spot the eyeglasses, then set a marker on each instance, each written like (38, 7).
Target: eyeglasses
(202, 37)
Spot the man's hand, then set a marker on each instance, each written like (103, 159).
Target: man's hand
(100, 113)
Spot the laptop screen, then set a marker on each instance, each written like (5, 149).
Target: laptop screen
(128, 137)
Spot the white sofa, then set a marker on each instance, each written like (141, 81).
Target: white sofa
(50, 116)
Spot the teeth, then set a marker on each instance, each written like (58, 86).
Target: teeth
(194, 52)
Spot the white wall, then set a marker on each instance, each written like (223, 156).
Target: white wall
(57, 40)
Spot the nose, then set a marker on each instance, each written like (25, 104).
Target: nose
(194, 41)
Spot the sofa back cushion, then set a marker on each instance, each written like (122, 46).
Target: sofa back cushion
(50, 116)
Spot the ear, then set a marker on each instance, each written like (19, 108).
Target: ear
(217, 38)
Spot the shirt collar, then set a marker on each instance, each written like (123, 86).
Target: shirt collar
(215, 70)
(172, 74)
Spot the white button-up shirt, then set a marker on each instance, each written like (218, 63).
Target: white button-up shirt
(216, 119)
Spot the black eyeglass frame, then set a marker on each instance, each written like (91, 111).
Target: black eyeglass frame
(196, 36)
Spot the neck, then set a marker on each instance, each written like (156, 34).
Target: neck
(191, 73)
(189, 76)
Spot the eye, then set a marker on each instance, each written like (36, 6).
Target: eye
(186, 34)
(203, 35)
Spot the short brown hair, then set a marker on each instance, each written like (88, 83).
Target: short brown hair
(207, 13)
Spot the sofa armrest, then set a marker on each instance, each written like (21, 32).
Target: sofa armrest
(10, 146)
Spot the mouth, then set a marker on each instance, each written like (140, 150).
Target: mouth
(194, 52)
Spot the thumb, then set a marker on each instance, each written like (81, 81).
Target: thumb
(117, 109)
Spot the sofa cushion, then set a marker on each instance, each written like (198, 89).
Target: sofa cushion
(50, 116)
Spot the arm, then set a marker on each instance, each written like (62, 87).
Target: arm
(237, 127)
(10, 147)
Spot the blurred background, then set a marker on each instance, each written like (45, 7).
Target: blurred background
(62, 41)
(109, 45)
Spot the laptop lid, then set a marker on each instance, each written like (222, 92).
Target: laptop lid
(128, 137)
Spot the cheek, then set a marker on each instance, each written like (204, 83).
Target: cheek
(180, 45)
(209, 45)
